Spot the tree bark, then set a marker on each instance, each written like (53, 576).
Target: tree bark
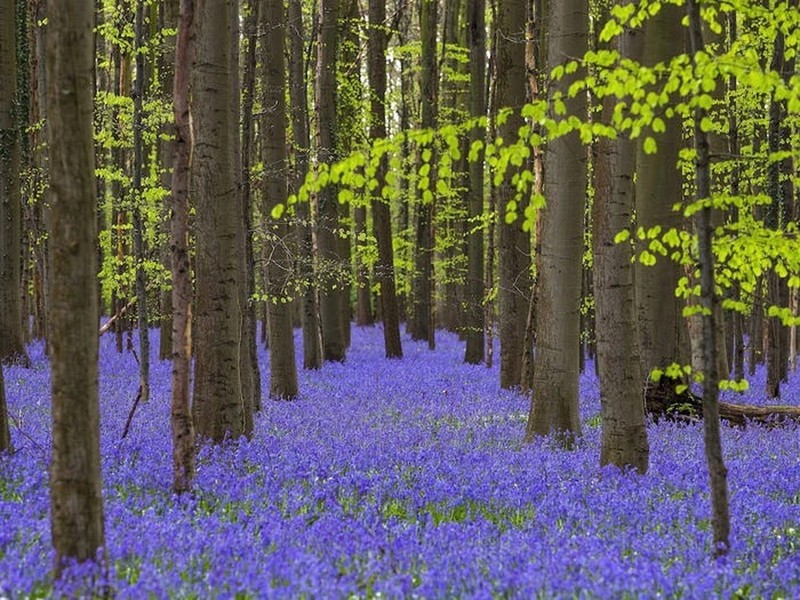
(514, 244)
(554, 406)
(474, 319)
(75, 490)
(309, 310)
(331, 265)
(381, 213)
(220, 410)
(662, 333)
(624, 440)
(180, 407)
(716, 467)
(283, 369)
(12, 346)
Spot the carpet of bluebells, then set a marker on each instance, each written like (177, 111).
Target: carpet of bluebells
(403, 478)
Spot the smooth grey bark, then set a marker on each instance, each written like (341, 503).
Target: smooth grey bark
(76, 503)
(624, 428)
(332, 271)
(663, 336)
(514, 246)
(718, 473)
(381, 212)
(309, 300)
(283, 369)
(474, 318)
(554, 405)
(181, 423)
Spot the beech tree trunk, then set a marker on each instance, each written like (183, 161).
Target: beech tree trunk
(180, 407)
(283, 369)
(12, 346)
(381, 213)
(514, 245)
(219, 408)
(624, 441)
(333, 271)
(718, 473)
(554, 406)
(474, 318)
(309, 300)
(76, 509)
(5, 434)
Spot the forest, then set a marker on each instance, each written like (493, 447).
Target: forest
(389, 299)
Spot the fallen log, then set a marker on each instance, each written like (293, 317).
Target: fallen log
(662, 401)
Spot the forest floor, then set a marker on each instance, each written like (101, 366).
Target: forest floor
(404, 478)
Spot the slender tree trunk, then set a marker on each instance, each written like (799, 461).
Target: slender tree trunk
(180, 408)
(422, 320)
(250, 324)
(5, 434)
(330, 260)
(381, 213)
(716, 467)
(137, 189)
(76, 509)
(219, 407)
(476, 40)
(624, 441)
(514, 244)
(554, 406)
(309, 311)
(283, 369)
(12, 347)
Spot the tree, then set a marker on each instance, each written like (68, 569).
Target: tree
(180, 408)
(221, 408)
(75, 491)
(330, 260)
(514, 244)
(422, 325)
(624, 441)
(12, 347)
(381, 214)
(474, 322)
(554, 406)
(309, 299)
(5, 434)
(705, 232)
(283, 370)
(658, 186)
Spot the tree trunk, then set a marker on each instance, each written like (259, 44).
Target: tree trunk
(309, 311)
(136, 190)
(283, 369)
(474, 319)
(219, 408)
(718, 473)
(422, 325)
(554, 406)
(381, 212)
(76, 509)
(5, 434)
(624, 441)
(330, 260)
(180, 408)
(12, 346)
(659, 184)
(514, 245)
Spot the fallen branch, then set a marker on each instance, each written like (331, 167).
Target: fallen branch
(663, 402)
(107, 325)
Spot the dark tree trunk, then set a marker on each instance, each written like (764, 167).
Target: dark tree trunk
(716, 467)
(474, 318)
(283, 370)
(180, 407)
(76, 509)
(381, 214)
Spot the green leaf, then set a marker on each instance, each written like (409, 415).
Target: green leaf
(622, 236)
(277, 211)
(650, 146)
